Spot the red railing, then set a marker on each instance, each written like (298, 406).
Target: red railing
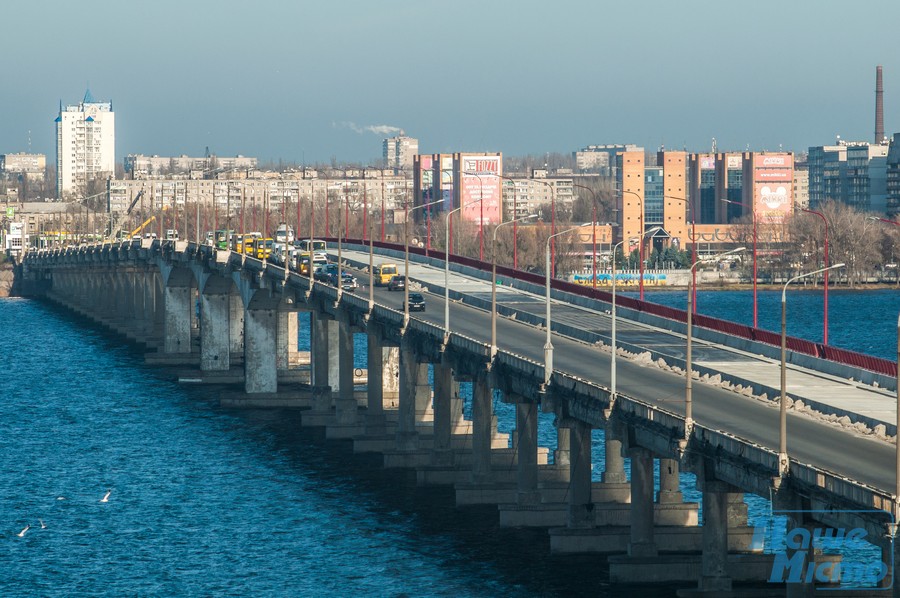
(798, 345)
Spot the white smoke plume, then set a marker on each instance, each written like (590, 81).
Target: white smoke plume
(376, 129)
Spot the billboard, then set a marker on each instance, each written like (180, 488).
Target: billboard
(734, 162)
(707, 162)
(480, 180)
(773, 176)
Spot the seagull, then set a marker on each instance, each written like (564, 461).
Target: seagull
(106, 496)
(42, 524)
(60, 498)
(22, 533)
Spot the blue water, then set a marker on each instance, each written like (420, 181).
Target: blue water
(209, 501)
(863, 321)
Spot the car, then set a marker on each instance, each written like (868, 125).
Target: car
(416, 302)
(348, 281)
(397, 283)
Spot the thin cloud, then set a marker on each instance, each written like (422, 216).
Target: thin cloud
(376, 129)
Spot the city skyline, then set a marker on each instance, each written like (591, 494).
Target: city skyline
(513, 78)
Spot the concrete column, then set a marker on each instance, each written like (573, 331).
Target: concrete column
(642, 543)
(236, 323)
(407, 439)
(215, 352)
(714, 576)
(159, 305)
(319, 349)
(129, 312)
(581, 508)
(375, 383)
(334, 365)
(345, 405)
(177, 329)
(526, 453)
(390, 377)
(260, 374)
(669, 489)
(614, 467)
(443, 426)
(424, 412)
(287, 337)
(561, 456)
(482, 425)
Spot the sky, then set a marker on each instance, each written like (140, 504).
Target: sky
(314, 81)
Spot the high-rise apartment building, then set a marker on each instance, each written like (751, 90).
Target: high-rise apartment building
(851, 172)
(85, 145)
(399, 152)
(601, 158)
(892, 178)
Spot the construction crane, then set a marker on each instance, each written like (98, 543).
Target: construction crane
(116, 229)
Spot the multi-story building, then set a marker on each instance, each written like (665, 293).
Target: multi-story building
(851, 172)
(801, 185)
(399, 151)
(32, 167)
(140, 166)
(892, 178)
(85, 145)
(601, 158)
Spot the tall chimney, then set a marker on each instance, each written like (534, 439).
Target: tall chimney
(879, 106)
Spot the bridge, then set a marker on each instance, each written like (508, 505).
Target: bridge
(246, 328)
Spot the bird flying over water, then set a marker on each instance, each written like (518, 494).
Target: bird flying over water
(22, 533)
(42, 524)
(106, 496)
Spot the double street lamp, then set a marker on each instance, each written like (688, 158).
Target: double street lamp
(783, 462)
(406, 257)
(755, 302)
(688, 369)
(494, 280)
(548, 345)
(447, 267)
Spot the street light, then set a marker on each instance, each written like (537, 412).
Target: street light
(755, 303)
(406, 257)
(612, 373)
(593, 233)
(515, 213)
(782, 446)
(548, 345)
(494, 280)
(447, 268)
(825, 281)
(552, 220)
(690, 205)
(689, 374)
(641, 243)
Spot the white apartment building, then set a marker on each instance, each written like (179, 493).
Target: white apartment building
(399, 152)
(85, 145)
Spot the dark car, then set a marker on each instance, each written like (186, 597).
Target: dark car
(397, 283)
(416, 302)
(348, 281)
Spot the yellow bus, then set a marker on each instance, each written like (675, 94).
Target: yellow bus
(261, 248)
(383, 274)
(244, 243)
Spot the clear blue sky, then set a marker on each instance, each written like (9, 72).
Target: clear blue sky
(301, 80)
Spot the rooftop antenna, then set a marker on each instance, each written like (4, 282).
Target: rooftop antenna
(715, 148)
(29, 141)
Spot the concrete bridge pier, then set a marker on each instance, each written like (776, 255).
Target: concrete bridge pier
(382, 395)
(178, 307)
(215, 325)
(320, 370)
(236, 325)
(286, 353)
(409, 451)
(347, 422)
(260, 340)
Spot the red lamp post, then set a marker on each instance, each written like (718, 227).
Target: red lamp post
(552, 238)
(593, 234)
(693, 246)
(640, 242)
(825, 275)
(755, 303)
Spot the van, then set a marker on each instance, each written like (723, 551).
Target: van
(383, 273)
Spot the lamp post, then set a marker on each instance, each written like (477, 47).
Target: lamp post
(481, 217)
(783, 462)
(447, 268)
(612, 373)
(688, 359)
(641, 242)
(406, 257)
(755, 303)
(494, 280)
(515, 223)
(548, 345)
(690, 205)
(593, 233)
(552, 223)
(825, 279)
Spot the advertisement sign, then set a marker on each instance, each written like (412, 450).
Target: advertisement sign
(773, 161)
(772, 187)
(480, 181)
(734, 162)
(707, 162)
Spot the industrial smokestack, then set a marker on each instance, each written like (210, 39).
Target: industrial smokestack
(879, 106)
